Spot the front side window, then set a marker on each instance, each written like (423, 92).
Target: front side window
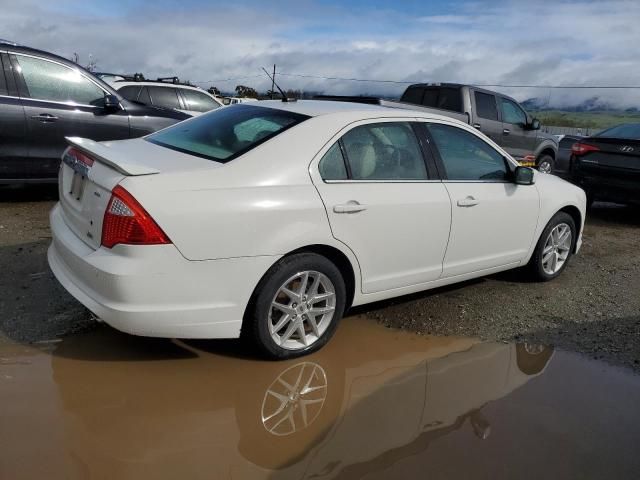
(512, 113)
(384, 151)
(130, 92)
(226, 133)
(486, 106)
(466, 156)
(166, 97)
(198, 101)
(50, 81)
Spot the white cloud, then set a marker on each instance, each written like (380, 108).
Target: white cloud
(549, 43)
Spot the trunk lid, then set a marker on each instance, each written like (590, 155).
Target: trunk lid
(90, 170)
(614, 153)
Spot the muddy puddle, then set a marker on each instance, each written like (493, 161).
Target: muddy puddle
(375, 403)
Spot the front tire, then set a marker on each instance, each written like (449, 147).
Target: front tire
(296, 306)
(554, 248)
(546, 164)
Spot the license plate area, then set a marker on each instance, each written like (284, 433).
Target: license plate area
(77, 186)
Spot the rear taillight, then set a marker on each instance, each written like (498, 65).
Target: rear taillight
(582, 148)
(125, 221)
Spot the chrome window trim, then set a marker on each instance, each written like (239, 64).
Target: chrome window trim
(382, 181)
(68, 104)
(105, 92)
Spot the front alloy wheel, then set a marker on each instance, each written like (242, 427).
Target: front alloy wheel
(556, 249)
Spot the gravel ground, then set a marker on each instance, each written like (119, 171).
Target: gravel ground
(593, 308)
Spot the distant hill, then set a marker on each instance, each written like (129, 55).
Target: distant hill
(592, 104)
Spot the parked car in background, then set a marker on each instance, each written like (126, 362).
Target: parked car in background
(562, 164)
(235, 100)
(607, 165)
(498, 116)
(159, 238)
(168, 93)
(110, 78)
(45, 98)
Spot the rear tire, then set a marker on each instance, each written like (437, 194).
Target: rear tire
(296, 307)
(553, 250)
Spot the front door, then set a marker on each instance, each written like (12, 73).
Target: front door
(517, 140)
(61, 102)
(493, 219)
(383, 205)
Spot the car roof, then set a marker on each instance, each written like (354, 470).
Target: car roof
(155, 83)
(315, 108)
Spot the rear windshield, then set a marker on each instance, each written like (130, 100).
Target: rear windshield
(226, 133)
(628, 131)
(445, 98)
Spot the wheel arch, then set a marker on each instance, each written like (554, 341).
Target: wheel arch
(574, 213)
(546, 151)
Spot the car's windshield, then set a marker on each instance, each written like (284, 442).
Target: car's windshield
(628, 131)
(226, 133)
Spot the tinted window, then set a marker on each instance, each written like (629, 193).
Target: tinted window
(332, 165)
(51, 81)
(130, 92)
(465, 156)
(226, 133)
(198, 101)
(3, 82)
(446, 98)
(144, 96)
(384, 151)
(629, 131)
(486, 106)
(512, 113)
(164, 97)
(412, 95)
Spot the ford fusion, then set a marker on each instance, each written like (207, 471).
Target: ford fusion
(269, 220)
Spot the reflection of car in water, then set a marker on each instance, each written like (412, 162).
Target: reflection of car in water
(370, 397)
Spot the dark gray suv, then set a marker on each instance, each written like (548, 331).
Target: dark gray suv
(45, 98)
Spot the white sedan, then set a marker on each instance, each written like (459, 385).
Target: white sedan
(269, 220)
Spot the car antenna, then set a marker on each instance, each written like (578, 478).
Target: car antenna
(284, 96)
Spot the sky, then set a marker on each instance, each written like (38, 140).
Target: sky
(508, 42)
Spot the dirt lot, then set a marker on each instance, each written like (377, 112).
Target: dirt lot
(593, 308)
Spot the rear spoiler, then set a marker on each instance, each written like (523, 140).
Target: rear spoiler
(114, 159)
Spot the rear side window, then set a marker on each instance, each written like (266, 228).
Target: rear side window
(130, 92)
(198, 101)
(466, 156)
(486, 106)
(384, 151)
(164, 97)
(332, 165)
(50, 81)
(226, 133)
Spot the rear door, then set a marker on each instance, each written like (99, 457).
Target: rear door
(516, 139)
(58, 102)
(485, 115)
(14, 162)
(385, 204)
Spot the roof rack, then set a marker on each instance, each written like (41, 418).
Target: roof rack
(139, 77)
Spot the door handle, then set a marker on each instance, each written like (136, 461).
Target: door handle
(468, 202)
(477, 125)
(506, 131)
(45, 117)
(350, 207)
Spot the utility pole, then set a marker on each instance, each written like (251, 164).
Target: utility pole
(273, 80)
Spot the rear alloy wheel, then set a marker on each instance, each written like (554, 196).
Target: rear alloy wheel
(297, 306)
(545, 164)
(554, 248)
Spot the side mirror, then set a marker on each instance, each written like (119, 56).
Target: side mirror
(524, 176)
(535, 124)
(111, 102)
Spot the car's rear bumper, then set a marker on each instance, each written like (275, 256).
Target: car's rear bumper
(153, 290)
(611, 189)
